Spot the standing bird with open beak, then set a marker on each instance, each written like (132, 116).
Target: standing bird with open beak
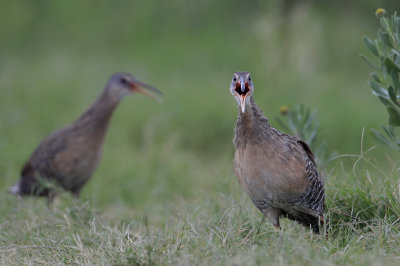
(68, 157)
(277, 171)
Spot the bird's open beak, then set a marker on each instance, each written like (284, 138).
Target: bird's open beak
(145, 89)
(242, 99)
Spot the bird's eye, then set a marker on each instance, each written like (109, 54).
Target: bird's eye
(234, 79)
(124, 81)
(249, 78)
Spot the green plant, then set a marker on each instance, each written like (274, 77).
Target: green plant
(385, 80)
(302, 123)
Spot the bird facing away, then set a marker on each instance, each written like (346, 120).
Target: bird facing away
(68, 157)
(276, 170)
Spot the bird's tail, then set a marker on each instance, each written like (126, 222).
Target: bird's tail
(15, 189)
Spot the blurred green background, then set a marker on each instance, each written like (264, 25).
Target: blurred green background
(56, 56)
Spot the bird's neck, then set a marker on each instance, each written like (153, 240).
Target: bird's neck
(96, 118)
(251, 125)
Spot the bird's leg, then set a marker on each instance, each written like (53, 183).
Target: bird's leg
(321, 220)
(322, 223)
(77, 192)
(273, 216)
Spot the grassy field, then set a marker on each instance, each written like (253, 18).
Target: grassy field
(165, 192)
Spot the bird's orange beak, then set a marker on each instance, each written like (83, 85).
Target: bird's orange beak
(242, 93)
(242, 99)
(145, 89)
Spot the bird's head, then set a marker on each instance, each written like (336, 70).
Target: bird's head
(242, 88)
(121, 84)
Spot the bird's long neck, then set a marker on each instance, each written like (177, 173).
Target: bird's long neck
(94, 121)
(251, 125)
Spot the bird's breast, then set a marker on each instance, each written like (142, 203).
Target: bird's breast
(269, 174)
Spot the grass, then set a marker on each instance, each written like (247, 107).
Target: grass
(165, 192)
(215, 228)
(220, 229)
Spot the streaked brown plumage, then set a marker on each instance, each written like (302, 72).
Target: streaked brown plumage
(69, 156)
(276, 170)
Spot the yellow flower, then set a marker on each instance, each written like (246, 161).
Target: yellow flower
(380, 12)
(284, 109)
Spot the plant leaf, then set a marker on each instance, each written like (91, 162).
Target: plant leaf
(390, 133)
(283, 125)
(379, 137)
(376, 78)
(292, 125)
(370, 45)
(385, 101)
(397, 23)
(369, 63)
(392, 94)
(394, 117)
(377, 90)
(394, 51)
(311, 118)
(391, 65)
(385, 24)
(385, 37)
(395, 79)
(312, 137)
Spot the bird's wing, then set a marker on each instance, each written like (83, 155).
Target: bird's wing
(45, 153)
(313, 198)
(307, 150)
